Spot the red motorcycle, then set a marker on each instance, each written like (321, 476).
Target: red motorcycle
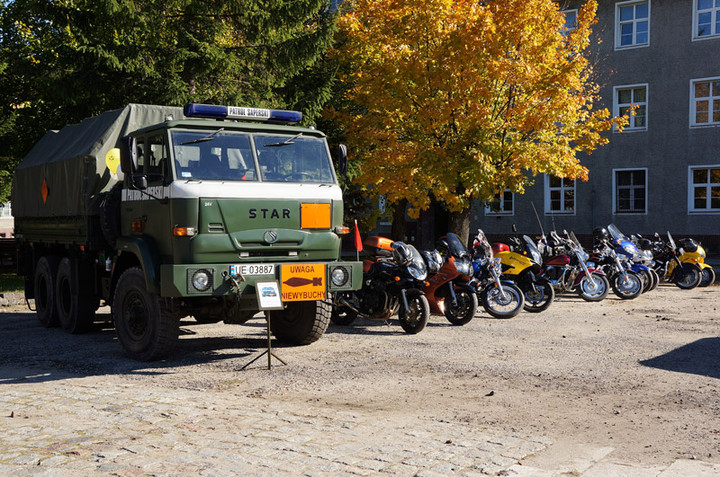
(569, 270)
(448, 290)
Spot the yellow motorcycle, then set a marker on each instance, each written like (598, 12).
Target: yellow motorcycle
(521, 262)
(693, 252)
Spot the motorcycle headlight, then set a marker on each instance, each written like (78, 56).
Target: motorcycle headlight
(417, 273)
(584, 256)
(497, 265)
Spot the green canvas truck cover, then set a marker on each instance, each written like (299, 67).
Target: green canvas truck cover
(67, 170)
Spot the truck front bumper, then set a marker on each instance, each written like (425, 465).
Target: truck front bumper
(297, 281)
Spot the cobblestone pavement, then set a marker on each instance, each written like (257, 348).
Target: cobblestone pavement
(86, 427)
(82, 426)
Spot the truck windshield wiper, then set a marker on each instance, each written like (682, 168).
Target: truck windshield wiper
(203, 139)
(286, 142)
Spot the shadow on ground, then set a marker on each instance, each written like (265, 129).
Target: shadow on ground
(700, 357)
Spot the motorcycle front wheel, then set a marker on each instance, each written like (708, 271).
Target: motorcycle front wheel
(415, 321)
(688, 277)
(540, 297)
(505, 304)
(708, 277)
(463, 311)
(627, 285)
(593, 287)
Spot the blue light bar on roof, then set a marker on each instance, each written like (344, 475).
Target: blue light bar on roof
(195, 110)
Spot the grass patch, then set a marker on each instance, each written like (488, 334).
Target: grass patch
(10, 282)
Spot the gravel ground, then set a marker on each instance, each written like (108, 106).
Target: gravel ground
(640, 376)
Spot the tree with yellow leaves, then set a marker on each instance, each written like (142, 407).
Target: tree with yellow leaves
(462, 99)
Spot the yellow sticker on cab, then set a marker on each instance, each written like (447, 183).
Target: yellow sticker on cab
(302, 281)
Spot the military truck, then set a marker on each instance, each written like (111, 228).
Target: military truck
(165, 212)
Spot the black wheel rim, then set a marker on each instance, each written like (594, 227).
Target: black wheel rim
(136, 316)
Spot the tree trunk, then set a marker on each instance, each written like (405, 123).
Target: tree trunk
(459, 224)
(399, 222)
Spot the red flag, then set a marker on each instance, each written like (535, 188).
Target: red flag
(358, 240)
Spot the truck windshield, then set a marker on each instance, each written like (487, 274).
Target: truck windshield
(228, 156)
(214, 155)
(295, 158)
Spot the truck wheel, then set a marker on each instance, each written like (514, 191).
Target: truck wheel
(145, 330)
(76, 311)
(45, 274)
(301, 322)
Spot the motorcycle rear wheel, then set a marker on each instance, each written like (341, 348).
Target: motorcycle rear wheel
(598, 292)
(539, 298)
(342, 315)
(462, 312)
(415, 321)
(708, 277)
(627, 285)
(505, 305)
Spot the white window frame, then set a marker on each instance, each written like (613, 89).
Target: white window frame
(562, 189)
(715, 15)
(693, 103)
(615, 189)
(501, 197)
(691, 191)
(616, 106)
(618, 36)
(567, 29)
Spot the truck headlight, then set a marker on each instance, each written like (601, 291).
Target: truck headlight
(339, 276)
(202, 280)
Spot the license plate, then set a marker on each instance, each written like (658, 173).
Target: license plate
(252, 269)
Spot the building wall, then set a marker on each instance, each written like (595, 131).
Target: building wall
(666, 148)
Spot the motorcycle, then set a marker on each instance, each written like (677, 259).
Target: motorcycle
(500, 298)
(639, 262)
(625, 283)
(521, 262)
(569, 271)
(447, 289)
(666, 254)
(392, 279)
(693, 252)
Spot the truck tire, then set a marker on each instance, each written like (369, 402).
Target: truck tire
(144, 328)
(75, 309)
(301, 322)
(44, 285)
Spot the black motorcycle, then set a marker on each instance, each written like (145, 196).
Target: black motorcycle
(391, 285)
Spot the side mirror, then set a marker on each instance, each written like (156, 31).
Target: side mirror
(342, 159)
(128, 155)
(139, 181)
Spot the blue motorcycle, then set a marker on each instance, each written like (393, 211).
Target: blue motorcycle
(640, 262)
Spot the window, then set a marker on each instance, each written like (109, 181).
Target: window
(625, 98)
(630, 191)
(5, 210)
(632, 24)
(705, 104)
(704, 190)
(559, 195)
(570, 20)
(501, 205)
(706, 18)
